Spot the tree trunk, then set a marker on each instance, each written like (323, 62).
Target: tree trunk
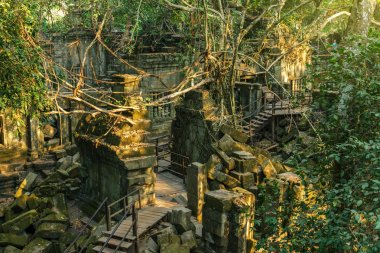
(361, 15)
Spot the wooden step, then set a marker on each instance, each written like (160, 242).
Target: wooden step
(129, 237)
(257, 122)
(261, 118)
(107, 250)
(113, 243)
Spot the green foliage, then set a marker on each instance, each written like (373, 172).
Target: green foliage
(342, 211)
(21, 87)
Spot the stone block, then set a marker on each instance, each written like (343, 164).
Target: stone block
(140, 162)
(234, 133)
(152, 245)
(290, 177)
(180, 217)
(71, 149)
(64, 163)
(59, 204)
(38, 245)
(227, 161)
(188, 239)
(60, 153)
(76, 158)
(226, 179)
(21, 222)
(247, 180)
(244, 165)
(211, 166)
(215, 185)
(28, 182)
(50, 230)
(18, 241)
(11, 249)
(196, 187)
(73, 171)
(220, 200)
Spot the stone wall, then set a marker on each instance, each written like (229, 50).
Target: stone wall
(117, 158)
(192, 129)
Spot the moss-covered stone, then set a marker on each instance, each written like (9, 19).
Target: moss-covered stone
(18, 241)
(51, 230)
(38, 245)
(21, 222)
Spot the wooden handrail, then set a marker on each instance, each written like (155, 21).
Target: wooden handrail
(104, 203)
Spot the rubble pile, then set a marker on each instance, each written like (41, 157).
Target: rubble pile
(38, 218)
(176, 235)
(222, 193)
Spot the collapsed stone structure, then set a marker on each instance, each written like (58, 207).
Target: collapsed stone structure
(223, 185)
(38, 218)
(117, 157)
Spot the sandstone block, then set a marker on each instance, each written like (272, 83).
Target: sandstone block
(13, 240)
(38, 245)
(50, 230)
(188, 239)
(11, 249)
(226, 179)
(234, 133)
(220, 200)
(21, 222)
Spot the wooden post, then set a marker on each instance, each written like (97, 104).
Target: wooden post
(108, 216)
(139, 199)
(125, 206)
(156, 167)
(134, 221)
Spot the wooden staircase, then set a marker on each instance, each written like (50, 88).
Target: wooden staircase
(257, 123)
(120, 236)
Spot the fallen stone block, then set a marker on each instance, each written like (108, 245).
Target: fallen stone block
(214, 185)
(152, 245)
(55, 218)
(247, 179)
(11, 249)
(188, 239)
(180, 217)
(59, 204)
(220, 200)
(234, 133)
(64, 163)
(50, 230)
(290, 177)
(21, 222)
(227, 161)
(76, 158)
(226, 179)
(71, 149)
(59, 153)
(26, 184)
(38, 245)
(73, 171)
(18, 241)
(212, 165)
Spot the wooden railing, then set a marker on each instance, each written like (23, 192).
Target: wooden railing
(74, 243)
(128, 210)
(125, 209)
(163, 151)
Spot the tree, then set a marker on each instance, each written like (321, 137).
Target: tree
(362, 13)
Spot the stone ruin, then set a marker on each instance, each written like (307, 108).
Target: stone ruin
(223, 189)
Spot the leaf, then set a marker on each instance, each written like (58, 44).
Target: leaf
(359, 202)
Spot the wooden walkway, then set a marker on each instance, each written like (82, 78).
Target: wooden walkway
(148, 217)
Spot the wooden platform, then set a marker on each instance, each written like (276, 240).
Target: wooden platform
(148, 217)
